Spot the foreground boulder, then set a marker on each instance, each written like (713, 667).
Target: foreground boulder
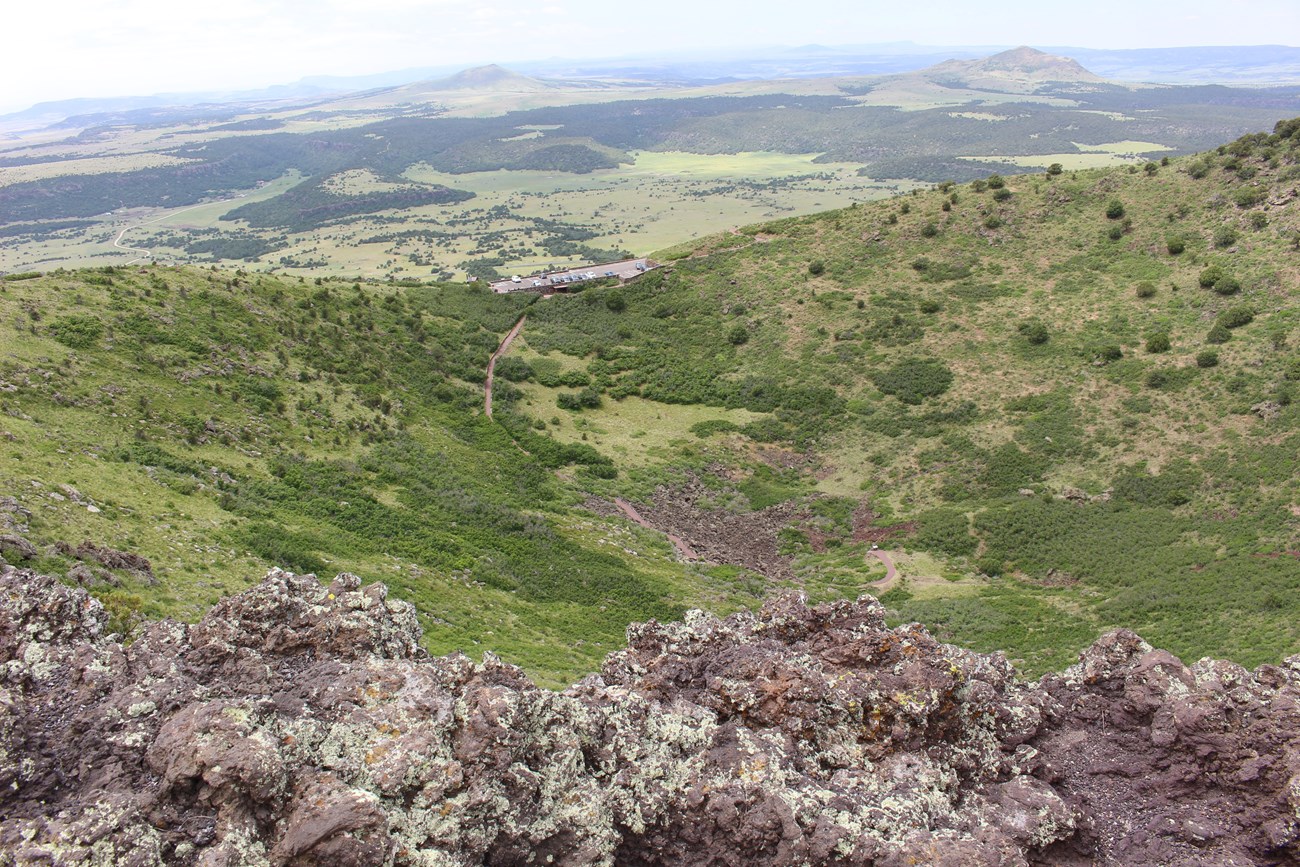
(300, 723)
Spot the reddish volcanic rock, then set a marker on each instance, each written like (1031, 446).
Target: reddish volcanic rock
(301, 724)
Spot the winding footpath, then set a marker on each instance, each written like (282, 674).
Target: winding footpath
(492, 363)
(145, 254)
(683, 547)
(891, 573)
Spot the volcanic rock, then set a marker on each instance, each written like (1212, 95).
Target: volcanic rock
(300, 723)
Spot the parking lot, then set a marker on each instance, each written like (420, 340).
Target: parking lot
(563, 280)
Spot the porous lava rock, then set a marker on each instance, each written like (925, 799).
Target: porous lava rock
(300, 723)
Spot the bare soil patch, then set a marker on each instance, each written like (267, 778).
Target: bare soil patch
(865, 530)
(746, 539)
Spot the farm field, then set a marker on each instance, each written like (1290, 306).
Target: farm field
(490, 172)
(659, 200)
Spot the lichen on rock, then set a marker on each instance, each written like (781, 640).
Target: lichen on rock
(300, 723)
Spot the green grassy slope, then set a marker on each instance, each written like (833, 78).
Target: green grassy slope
(219, 424)
(977, 359)
(983, 358)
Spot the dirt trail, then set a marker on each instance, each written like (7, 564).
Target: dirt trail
(682, 546)
(891, 573)
(146, 254)
(492, 363)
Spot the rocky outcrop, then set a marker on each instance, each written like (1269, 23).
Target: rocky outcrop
(300, 723)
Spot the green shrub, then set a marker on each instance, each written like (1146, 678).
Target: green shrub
(1110, 352)
(281, 547)
(1115, 233)
(1035, 332)
(816, 267)
(996, 182)
(709, 427)
(1114, 209)
(1145, 289)
(946, 531)
(1248, 197)
(1055, 169)
(1157, 379)
(1209, 276)
(1158, 343)
(77, 332)
(1225, 236)
(513, 368)
(1207, 358)
(1172, 487)
(1227, 285)
(1218, 333)
(1175, 245)
(738, 335)
(1237, 316)
(573, 379)
(914, 379)
(992, 221)
(599, 471)
(1001, 195)
(929, 230)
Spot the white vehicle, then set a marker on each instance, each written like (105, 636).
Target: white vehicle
(516, 279)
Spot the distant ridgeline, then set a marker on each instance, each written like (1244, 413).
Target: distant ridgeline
(1065, 401)
(922, 144)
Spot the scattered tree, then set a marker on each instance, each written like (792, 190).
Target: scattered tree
(1227, 285)
(1236, 317)
(1219, 333)
(1035, 332)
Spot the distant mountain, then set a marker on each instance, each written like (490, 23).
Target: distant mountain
(1237, 65)
(159, 108)
(1023, 65)
(490, 78)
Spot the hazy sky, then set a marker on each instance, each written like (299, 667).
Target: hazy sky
(58, 49)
